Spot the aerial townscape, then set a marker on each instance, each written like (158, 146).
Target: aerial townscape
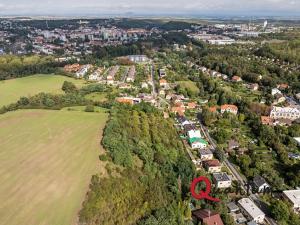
(108, 120)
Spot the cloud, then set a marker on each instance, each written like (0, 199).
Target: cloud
(147, 6)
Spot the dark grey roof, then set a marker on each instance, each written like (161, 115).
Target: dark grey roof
(205, 152)
(233, 144)
(221, 177)
(181, 119)
(232, 207)
(251, 223)
(189, 127)
(259, 181)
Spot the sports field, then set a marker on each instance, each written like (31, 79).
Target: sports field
(46, 162)
(12, 90)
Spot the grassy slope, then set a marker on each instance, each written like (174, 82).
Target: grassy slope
(188, 84)
(12, 90)
(46, 162)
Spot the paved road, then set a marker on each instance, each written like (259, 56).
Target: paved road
(236, 174)
(154, 91)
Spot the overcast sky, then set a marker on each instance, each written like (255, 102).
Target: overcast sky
(209, 7)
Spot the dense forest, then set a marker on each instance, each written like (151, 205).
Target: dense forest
(151, 161)
(148, 24)
(20, 66)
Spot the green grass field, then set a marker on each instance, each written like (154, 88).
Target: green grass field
(189, 85)
(97, 96)
(47, 159)
(12, 90)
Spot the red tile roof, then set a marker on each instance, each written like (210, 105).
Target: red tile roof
(207, 217)
(178, 110)
(232, 107)
(266, 120)
(163, 81)
(125, 100)
(236, 78)
(191, 105)
(212, 163)
(213, 109)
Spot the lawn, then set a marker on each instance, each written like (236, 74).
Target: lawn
(189, 85)
(12, 90)
(47, 159)
(97, 96)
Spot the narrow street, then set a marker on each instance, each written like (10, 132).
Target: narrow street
(243, 181)
(154, 91)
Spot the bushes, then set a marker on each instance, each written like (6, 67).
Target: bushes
(89, 108)
(46, 101)
(139, 131)
(16, 66)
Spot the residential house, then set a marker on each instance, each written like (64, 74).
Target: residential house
(131, 74)
(293, 196)
(72, 68)
(83, 71)
(125, 100)
(188, 127)
(232, 145)
(111, 74)
(144, 85)
(213, 73)
(251, 210)
(182, 120)
(275, 91)
(206, 217)
(254, 87)
(260, 184)
(283, 122)
(292, 155)
(94, 77)
(162, 92)
(178, 110)
(241, 151)
(282, 86)
(138, 58)
(179, 104)
(224, 77)
(197, 143)
(213, 109)
(194, 133)
(162, 73)
(229, 108)
(191, 105)
(297, 139)
(239, 218)
(232, 207)
(291, 113)
(205, 154)
(221, 180)
(125, 86)
(203, 69)
(266, 120)
(236, 79)
(278, 98)
(163, 83)
(218, 75)
(212, 166)
(252, 223)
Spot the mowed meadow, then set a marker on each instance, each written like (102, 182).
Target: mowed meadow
(47, 159)
(12, 90)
